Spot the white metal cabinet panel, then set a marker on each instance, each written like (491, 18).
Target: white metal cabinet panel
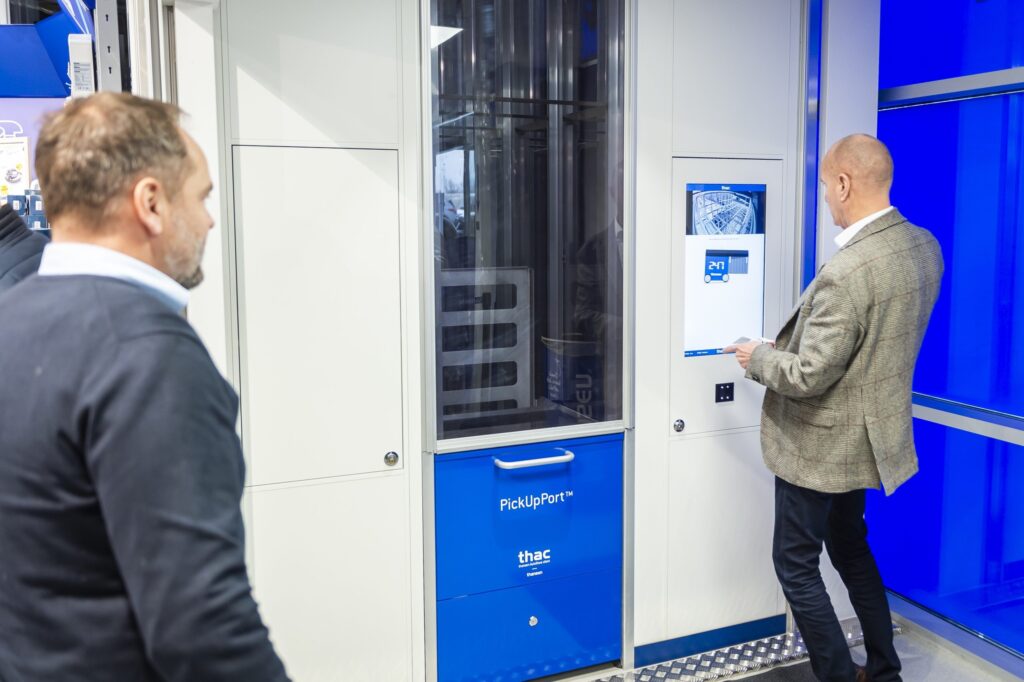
(332, 577)
(320, 310)
(311, 72)
(694, 378)
(196, 49)
(734, 76)
(849, 92)
(654, 47)
(720, 552)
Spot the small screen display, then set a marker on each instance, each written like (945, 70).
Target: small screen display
(725, 249)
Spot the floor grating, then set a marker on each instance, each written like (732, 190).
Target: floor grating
(741, 659)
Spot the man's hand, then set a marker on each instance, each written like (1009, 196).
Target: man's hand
(743, 352)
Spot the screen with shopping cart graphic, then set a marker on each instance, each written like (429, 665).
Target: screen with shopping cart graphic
(725, 251)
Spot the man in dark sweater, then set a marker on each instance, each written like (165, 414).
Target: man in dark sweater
(20, 248)
(121, 537)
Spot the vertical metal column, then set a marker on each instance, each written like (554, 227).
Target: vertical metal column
(483, 136)
(108, 46)
(612, 77)
(436, 246)
(156, 61)
(170, 52)
(505, 38)
(151, 50)
(560, 159)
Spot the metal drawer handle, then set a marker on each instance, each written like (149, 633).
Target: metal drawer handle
(543, 461)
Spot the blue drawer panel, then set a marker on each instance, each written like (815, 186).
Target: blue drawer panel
(489, 636)
(498, 528)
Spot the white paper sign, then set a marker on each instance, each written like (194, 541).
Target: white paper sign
(80, 61)
(14, 177)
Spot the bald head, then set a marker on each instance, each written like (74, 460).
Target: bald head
(857, 174)
(864, 158)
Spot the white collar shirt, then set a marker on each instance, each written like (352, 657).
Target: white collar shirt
(67, 259)
(847, 235)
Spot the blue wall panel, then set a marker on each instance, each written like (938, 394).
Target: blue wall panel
(958, 174)
(26, 68)
(948, 38)
(54, 31)
(952, 538)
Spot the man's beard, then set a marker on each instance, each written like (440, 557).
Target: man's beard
(193, 280)
(186, 262)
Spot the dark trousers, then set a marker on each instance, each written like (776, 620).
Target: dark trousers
(804, 519)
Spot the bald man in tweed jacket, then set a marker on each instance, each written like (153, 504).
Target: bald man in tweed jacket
(837, 413)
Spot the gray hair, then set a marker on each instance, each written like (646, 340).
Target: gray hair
(95, 148)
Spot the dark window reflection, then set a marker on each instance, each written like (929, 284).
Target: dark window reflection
(528, 182)
(484, 375)
(32, 11)
(478, 297)
(470, 337)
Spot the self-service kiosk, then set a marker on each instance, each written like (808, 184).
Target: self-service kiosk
(727, 222)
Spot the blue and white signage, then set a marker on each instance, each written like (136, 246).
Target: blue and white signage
(534, 500)
(79, 12)
(529, 559)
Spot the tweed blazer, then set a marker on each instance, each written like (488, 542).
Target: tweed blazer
(837, 412)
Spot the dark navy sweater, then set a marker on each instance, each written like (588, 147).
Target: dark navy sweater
(20, 248)
(121, 538)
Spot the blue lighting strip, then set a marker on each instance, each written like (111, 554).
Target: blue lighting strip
(681, 647)
(702, 353)
(811, 144)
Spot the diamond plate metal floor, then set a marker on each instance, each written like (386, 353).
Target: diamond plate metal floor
(741, 659)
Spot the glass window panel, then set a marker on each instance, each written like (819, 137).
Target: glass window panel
(958, 174)
(527, 150)
(478, 297)
(32, 11)
(481, 336)
(948, 38)
(952, 538)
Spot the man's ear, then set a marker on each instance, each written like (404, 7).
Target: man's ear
(146, 204)
(843, 186)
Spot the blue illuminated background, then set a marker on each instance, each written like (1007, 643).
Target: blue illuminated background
(948, 38)
(952, 539)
